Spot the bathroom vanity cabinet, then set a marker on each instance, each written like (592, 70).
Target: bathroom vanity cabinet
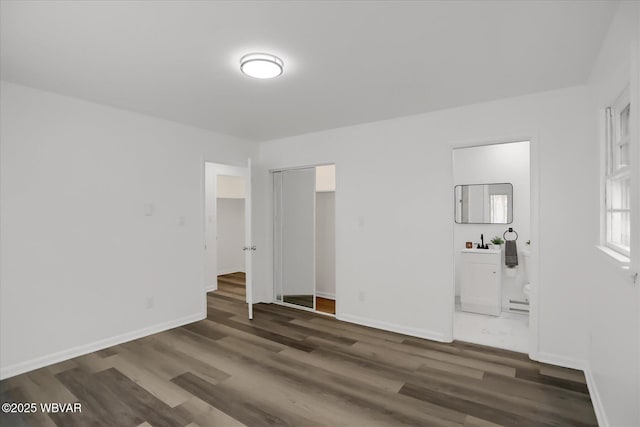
(481, 281)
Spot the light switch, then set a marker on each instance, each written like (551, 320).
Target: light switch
(149, 209)
(180, 220)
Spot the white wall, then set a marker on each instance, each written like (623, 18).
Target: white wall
(81, 263)
(496, 164)
(613, 300)
(325, 244)
(230, 228)
(394, 212)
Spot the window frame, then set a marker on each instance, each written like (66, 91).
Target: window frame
(615, 169)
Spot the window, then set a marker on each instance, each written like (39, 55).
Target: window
(618, 175)
(499, 209)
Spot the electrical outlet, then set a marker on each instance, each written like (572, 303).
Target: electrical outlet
(150, 302)
(361, 296)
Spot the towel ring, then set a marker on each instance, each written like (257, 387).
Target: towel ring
(510, 230)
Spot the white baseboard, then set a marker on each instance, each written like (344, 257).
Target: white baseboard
(326, 295)
(392, 327)
(562, 361)
(566, 362)
(598, 407)
(50, 359)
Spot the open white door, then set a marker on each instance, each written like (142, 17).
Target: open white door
(248, 243)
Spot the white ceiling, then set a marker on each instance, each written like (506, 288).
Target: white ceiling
(345, 62)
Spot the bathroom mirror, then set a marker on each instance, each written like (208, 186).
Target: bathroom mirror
(484, 203)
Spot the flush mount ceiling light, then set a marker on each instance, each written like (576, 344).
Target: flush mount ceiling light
(261, 65)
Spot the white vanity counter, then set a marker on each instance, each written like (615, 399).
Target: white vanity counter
(481, 251)
(481, 281)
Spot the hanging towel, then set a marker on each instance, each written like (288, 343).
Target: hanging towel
(510, 254)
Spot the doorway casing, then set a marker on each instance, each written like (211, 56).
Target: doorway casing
(534, 271)
(210, 173)
(271, 208)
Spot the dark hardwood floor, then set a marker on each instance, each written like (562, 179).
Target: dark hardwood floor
(325, 305)
(297, 368)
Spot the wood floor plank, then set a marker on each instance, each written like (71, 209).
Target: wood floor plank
(564, 373)
(154, 384)
(98, 402)
(189, 363)
(357, 328)
(326, 305)
(330, 336)
(157, 363)
(254, 339)
(31, 419)
(475, 391)
(235, 405)
(42, 386)
(265, 333)
(346, 368)
(558, 399)
(92, 363)
(485, 412)
(384, 403)
(331, 386)
(340, 389)
(106, 352)
(62, 366)
(534, 375)
(292, 367)
(472, 421)
(256, 375)
(451, 368)
(205, 415)
(287, 311)
(142, 403)
(202, 328)
(470, 362)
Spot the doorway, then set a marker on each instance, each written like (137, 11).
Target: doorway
(494, 233)
(230, 224)
(304, 238)
(228, 247)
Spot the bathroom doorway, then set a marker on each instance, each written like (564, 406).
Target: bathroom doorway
(304, 238)
(493, 245)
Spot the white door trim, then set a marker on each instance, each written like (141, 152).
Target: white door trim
(209, 180)
(271, 209)
(534, 271)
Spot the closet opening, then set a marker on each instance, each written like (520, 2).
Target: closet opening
(304, 238)
(228, 246)
(230, 226)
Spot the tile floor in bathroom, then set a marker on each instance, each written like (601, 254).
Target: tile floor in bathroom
(510, 331)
